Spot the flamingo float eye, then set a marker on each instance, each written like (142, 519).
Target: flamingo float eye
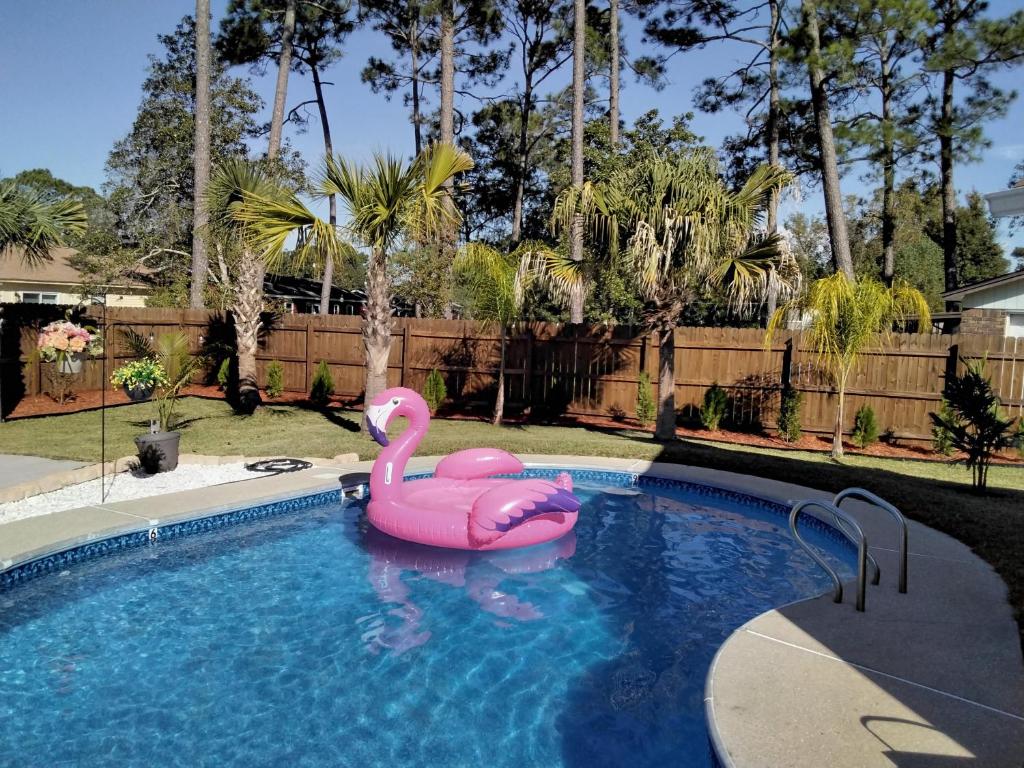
(395, 401)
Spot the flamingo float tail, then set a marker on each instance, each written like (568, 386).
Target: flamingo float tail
(512, 504)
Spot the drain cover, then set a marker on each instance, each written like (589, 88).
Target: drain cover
(278, 465)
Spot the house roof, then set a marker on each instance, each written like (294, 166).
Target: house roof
(288, 287)
(957, 294)
(14, 268)
(305, 289)
(1007, 202)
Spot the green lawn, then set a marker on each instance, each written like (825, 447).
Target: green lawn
(937, 494)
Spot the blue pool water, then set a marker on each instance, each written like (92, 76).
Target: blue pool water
(308, 639)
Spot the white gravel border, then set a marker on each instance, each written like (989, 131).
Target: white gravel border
(125, 486)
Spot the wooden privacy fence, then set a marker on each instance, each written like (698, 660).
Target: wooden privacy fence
(553, 369)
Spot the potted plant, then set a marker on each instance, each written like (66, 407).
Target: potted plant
(66, 344)
(158, 450)
(139, 378)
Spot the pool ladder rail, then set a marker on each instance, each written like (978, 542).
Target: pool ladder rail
(852, 531)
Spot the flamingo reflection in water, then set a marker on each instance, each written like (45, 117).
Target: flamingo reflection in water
(478, 574)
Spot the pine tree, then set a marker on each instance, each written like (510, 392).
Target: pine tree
(965, 47)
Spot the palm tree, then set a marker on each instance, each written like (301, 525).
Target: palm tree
(35, 223)
(683, 229)
(498, 283)
(201, 156)
(387, 202)
(577, 292)
(845, 318)
(233, 182)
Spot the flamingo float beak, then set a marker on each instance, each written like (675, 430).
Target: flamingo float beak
(377, 418)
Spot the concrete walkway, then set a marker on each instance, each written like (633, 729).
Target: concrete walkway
(15, 470)
(932, 678)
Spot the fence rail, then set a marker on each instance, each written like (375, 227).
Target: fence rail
(581, 370)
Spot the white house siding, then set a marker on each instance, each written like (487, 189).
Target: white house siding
(12, 293)
(1008, 297)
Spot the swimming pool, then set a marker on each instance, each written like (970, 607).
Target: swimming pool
(308, 639)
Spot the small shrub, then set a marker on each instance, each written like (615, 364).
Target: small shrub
(1019, 438)
(224, 373)
(275, 379)
(323, 385)
(645, 407)
(976, 425)
(942, 439)
(434, 390)
(716, 403)
(865, 427)
(789, 415)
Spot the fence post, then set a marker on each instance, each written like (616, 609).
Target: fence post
(38, 388)
(787, 364)
(528, 370)
(952, 362)
(309, 352)
(108, 349)
(405, 355)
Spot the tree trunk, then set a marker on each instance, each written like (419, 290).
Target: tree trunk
(447, 53)
(447, 134)
(774, 108)
(499, 400)
(201, 157)
(327, 278)
(888, 182)
(246, 312)
(613, 82)
(414, 54)
(284, 65)
(665, 428)
(523, 157)
(376, 326)
(837, 435)
(836, 218)
(946, 179)
(578, 88)
(772, 140)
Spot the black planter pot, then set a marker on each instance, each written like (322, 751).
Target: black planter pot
(138, 394)
(158, 452)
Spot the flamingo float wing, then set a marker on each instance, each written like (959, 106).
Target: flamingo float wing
(475, 463)
(516, 502)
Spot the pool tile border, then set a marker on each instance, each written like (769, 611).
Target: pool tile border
(206, 522)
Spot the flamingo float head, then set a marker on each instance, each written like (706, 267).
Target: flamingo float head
(397, 401)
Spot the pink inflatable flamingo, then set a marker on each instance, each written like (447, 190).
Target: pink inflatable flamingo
(462, 506)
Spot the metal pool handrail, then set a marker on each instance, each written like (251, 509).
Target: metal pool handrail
(848, 528)
(868, 496)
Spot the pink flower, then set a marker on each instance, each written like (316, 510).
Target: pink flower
(60, 343)
(76, 344)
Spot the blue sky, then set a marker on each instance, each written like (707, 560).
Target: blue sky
(71, 75)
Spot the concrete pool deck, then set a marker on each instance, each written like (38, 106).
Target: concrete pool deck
(16, 470)
(930, 678)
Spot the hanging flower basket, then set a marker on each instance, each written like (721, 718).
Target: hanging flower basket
(140, 378)
(67, 344)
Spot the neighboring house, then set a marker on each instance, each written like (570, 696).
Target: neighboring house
(301, 296)
(57, 282)
(1007, 202)
(994, 306)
